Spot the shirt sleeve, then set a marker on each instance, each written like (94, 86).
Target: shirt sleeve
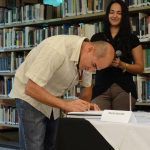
(87, 79)
(44, 66)
(134, 41)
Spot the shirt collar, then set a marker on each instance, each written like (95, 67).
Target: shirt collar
(76, 53)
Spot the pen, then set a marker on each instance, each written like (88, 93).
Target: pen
(80, 98)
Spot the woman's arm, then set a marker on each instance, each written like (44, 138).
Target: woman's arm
(137, 67)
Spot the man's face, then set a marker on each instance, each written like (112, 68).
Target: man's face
(90, 62)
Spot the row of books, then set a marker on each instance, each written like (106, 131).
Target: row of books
(146, 59)
(82, 7)
(6, 85)
(136, 3)
(9, 62)
(71, 94)
(143, 87)
(37, 12)
(9, 114)
(141, 25)
(29, 13)
(32, 36)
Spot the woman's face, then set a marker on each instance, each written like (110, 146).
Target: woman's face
(115, 14)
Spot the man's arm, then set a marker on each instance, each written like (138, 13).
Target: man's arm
(86, 93)
(38, 93)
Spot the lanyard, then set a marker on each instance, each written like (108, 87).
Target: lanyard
(80, 75)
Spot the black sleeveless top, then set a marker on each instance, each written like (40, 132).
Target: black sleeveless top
(106, 77)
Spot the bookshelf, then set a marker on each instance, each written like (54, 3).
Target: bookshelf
(9, 125)
(43, 23)
(146, 71)
(142, 104)
(93, 17)
(16, 49)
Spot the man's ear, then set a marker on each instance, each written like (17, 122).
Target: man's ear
(91, 49)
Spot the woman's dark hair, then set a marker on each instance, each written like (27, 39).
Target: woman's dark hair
(123, 43)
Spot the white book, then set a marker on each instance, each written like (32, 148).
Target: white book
(7, 41)
(38, 12)
(27, 13)
(83, 7)
(86, 114)
(32, 10)
(46, 33)
(1, 115)
(41, 12)
(22, 18)
(91, 29)
(8, 116)
(12, 81)
(77, 7)
(10, 38)
(63, 8)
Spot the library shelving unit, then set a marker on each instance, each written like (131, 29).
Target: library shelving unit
(67, 20)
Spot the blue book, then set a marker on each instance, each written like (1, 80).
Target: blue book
(66, 28)
(148, 89)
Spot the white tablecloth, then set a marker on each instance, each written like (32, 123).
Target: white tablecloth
(126, 136)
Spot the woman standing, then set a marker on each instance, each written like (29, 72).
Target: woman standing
(113, 84)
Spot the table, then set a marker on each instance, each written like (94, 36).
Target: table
(93, 134)
(79, 134)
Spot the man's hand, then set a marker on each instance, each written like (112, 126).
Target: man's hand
(76, 106)
(92, 106)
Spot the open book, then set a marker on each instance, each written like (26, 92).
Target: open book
(86, 114)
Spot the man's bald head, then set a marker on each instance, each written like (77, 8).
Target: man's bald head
(102, 48)
(95, 55)
(104, 52)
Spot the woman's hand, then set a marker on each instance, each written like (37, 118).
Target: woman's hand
(116, 62)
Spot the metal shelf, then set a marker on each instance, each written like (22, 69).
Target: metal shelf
(146, 71)
(86, 17)
(6, 97)
(142, 104)
(9, 125)
(17, 49)
(137, 9)
(7, 73)
(36, 23)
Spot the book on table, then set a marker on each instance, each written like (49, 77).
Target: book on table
(86, 114)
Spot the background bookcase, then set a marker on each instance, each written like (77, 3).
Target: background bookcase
(72, 20)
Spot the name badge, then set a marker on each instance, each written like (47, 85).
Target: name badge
(118, 116)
